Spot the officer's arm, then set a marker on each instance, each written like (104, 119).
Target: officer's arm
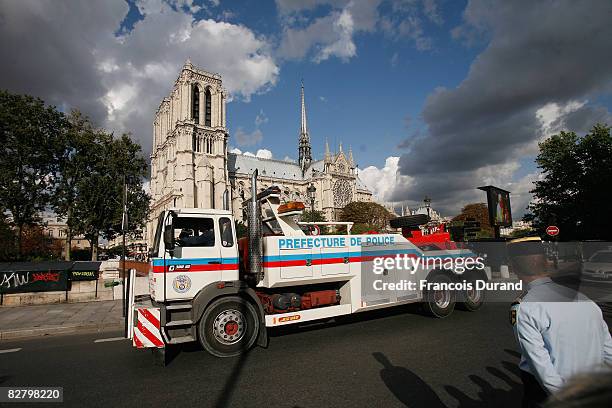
(532, 347)
(607, 351)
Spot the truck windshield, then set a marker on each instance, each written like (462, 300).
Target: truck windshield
(158, 232)
(194, 232)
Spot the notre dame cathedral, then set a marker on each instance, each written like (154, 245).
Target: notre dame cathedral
(191, 165)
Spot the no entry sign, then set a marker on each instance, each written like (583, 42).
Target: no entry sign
(552, 230)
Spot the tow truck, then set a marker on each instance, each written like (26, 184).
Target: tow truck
(205, 285)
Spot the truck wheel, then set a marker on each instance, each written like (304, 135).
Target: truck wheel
(440, 303)
(228, 327)
(472, 300)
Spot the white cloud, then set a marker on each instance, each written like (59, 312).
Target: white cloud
(70, 56)
(550, 115)
(328, 36)
(343, 47)
(261, 118)
(261, 153)
(264, 154)
(332, 35)
(381, 181)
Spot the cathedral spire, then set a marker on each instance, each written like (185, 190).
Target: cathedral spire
(304, 127)
(305, 156)
(327, 158)
(350, 158)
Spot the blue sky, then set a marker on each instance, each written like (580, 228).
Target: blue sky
(436, 97)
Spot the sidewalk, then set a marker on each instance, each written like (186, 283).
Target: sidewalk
(62, 318)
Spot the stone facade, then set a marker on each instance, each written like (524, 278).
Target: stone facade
(191, 165)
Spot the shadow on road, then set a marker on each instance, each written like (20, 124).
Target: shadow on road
(407, 387)
(507, 395)
(413, 391)
(225, 397)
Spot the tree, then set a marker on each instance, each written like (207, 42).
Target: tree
(319, 216)
(368, 213)
(98, 206)
(364, 229)
(478, 212)
(80, 143)
(574, 193)
(8, 250)
(29, 132)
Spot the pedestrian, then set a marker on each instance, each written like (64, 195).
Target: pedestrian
(560, 331)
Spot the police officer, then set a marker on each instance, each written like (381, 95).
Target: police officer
(560, 332)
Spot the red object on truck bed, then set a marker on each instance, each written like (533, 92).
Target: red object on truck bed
(438, 237)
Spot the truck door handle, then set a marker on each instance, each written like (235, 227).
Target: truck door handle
(214, 262)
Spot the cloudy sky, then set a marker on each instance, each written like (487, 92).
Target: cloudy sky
(436, 97)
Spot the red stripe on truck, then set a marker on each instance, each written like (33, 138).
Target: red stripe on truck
(150, 317)
(199, 268)
(157, 342)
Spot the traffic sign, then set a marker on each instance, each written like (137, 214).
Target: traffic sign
(552, 230)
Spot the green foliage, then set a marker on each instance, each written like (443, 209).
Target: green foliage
(30, 141)
(319, 216)
(8, 240)
(98, 205)
(574, 193)
(478, 212)
(368, 213)
(69, 165)
(364, 228)
(307, 216)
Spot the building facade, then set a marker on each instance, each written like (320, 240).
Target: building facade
(191, 166)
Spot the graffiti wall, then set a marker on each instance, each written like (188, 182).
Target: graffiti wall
(20, 277)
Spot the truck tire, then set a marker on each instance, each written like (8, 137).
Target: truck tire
(472, 300)
(228, 327)
(409, 221)
(440, 303)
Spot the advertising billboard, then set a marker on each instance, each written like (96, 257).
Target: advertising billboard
(498, 201)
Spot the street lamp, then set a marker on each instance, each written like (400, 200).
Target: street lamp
(311, 190)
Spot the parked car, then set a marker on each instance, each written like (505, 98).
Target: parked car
(598, 268)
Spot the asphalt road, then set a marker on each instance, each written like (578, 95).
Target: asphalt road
(392, 358)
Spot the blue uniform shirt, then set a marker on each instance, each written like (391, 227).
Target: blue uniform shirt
(560, 333)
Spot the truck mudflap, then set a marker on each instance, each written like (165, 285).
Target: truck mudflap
(147, 328)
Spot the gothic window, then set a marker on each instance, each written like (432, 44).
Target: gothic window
(195, 106)
(207, 111)
(343, 193)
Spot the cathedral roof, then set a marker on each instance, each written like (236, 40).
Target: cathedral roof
(240, 163)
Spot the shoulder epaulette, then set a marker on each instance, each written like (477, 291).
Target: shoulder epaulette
(518, 299)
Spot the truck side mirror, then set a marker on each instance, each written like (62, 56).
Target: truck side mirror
(169, 238)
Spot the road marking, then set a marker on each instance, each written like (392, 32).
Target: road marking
(10, 350)
(109, 339)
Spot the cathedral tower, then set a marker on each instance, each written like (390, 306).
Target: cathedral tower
(305, 155)
(189, 157)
